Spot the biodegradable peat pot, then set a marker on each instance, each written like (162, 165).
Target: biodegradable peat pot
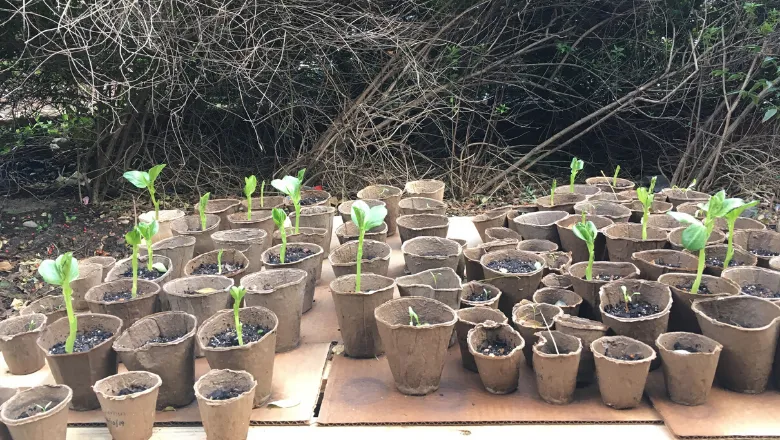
(127, 401)
(318, 236)
(255, 357)
(319, 217)
(516, 211)
(675, 238)
(223, 208)
(529, 318)
(501, 233)
(652, 264)
(234, 264)
(225, 403)
(619, 198)
(514, 286)
(5, 394)
(579, 188)
(682, 317)
(622, 365)
(51, 306)
(716, 255)
(637, 209)
(441, 284)
(262, 220)
(537, 246)
(556, 362)
(107, 263)
(557, 281)
(421, 205)
(311, 197)
(388, 194)
(416, 354)
(678, 196)
(125, 266)
(613, 211)
(17, 342)
(173, 360)
(461, 269)
(79, 370)
(556, 262)
(603, 272)
(167, 217)
(567, 300)
(539, 225)
(498, 351)
(190, 226)
(478, 294)
(129, 310)
(280, 291)
(689, 361)
(644, 325)
(311, 263)
(50, 425)
(606, 186)
(345, 208)
(748, 328)
(429, 188)
(355, 312)
(250, 242)
(578, 248)
(762, 244)
(376, 258)
(587, 331)
(468, 318)
(422, 225)
(741, 224)
(623, 239)
(755, 281)
(180, 249)
(472, 256)
(664, 222)
(90, 275)
(488, 220)
(424, 253)
(347, 232)
(561, 202)
(268, 203)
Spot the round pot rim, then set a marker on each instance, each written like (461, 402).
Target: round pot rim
(655, 284)
(157, 383)
(647, 359)
(38, 301)
(518, 254)
(485, 325)
(557, 289)
(541, 334)
(162, 245)
(526, 215)
(349, 203)
(639, 254)
(619, 185)
(240, 217)
(457, 252)
(392, 191)
(323, 209)
(699, 196)
(567, 198)
(260, 233)
(177, 212)
(109, 318)
(350, 243)
(48, 413)
(561, 223)
(228, 202)
(38, 329)
(607, 233)
(154, 289)
(209, 218)
(318, 251)
(718, 346)
(230, 281)
(485, 286)
(295, 271)
(599, 264)
(504, 320)
(620, 209)
(696, 307)
(439, 204)
(150, 345)
(215, 372)
(450, 271)
(237, 255)
(141, 258)
(403, 218)
(703, 278)
(392, 284)
(341, 230)
(680, 230)
(437, 183)
(220, 313)
(428, 327)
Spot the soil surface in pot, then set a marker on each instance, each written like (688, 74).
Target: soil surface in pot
(143, 273)
(513, 265)
(623, 356)
(119, 296)
(132, 389)
(292, 255)
(764, 253)
(605, 277)
(703, 289)
(718, 262)
(229, 337)
(225, 394)
(482, 296)
(661, 262)
(85, 341)
(34, 410)
(496, 347)
(759, 291)
(634, 309)
(312, 200)
(163, 339)
(213, 269)
(679, 346)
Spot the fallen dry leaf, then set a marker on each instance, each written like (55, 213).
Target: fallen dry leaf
(6, 266)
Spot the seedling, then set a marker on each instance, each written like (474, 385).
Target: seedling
(250, 184)
(731, 219)
(133, 238)
(31, 325)
(627, 296)
(61, 272)
(576, 166)
(145, 179)
(204, 200)
(365, 218)
(586, 231)
(148, 230)
(552, 192)
(646, 196)
(414, 319)
(238, 295)
(292, 187)
(279, 218)
(219, 261)
(262, 194)
(43, 408)
(614, 178)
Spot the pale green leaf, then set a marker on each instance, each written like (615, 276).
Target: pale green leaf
(694, 237)
(683, 217)
(138, 178)
(279, 217)
(250, 185)
(148, 230)
(159, 267)
(237, 292)
(155, 171)
(376, 216)
(769, 114)
(133, 238)
(359, 211)
(49, 273)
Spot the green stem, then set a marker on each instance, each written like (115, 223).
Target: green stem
(156, 205)
(645, 217)
(571, 184)
(262, 191)
(239, 327)
(67, 292)
(149, 255)
(297, 215)
(202, 220)
(730, 249)
(591, 257)
(283, 250)
(699, 273)
(359, 259)
(134, 261)
(249, 207)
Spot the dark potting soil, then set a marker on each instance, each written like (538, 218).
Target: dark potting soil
(718, 262)
(292, 255)
(688, 348)
(119, 296)
(85, 341)
(213, 269)
(482, 296)
(703, 289)
(36, 409)
(229, 338)
(624, 356)
(143, 273)
(311, 200)
(164, 339)
(225, 394)
(764, 253)
(759, 291)
(132, 389)
(513, 265)
(496, 347)
(635, 309)
(661, 262)
(605, 277)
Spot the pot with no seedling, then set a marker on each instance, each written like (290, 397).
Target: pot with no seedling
(491, 219)
(516, 211)
(391, 196)
(17, 342)
(479, 294)
(756, 281)
(556, 362)
(498, 351)
(472, 256)
(191, 226)
(578, 248)
(716, 255)
(124, 270)
(253, 353)
(319, 217)
(228, 263)
(415, 333)
(623, 239)
(560, 202)
(748, 329)
(622, 366)
(424, 253)
(619, 197)
(763, 244)
(517, 275)
(92, 357)
(461, 269)
(675, 238)
(345, 208)
(268, 202)
(740, 224)
(664, 222)
(53, 307)
(163, 344)
(281, 291)
(180, 249)
(422, 225)
(537, 246)
(305, 256)
(441, 284)
(250, 242)
(678, 196)
(610, 184)
(579, 188)
(376, 258)
(658, 207)
(539, 225)
(165, 220)
(691, 208)
(529, 318)
(222, 208)
(38, 413)
(567, 300)
(652, 264)
(421, 205)
(105, 262)
(603, 272)
(260, 219)
(349, 232)
(429, 188)
(689, 362)
(682, 317)
(355, 312)
(116, 298)
(501, 233)
(127, 401)
(613, 211)
(557, 281)
(556, 262)
(90, 275)
(587, 331)
(468, 318)
(225, 403)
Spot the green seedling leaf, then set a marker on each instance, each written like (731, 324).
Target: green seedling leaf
(61, 271)
(159, 267)
(238, 292)
(279, 217)
(576, 166)
(204, 200)
(288, 185)
(367, 218)
(134, 237)
(250, 185)
(154, 172)
(140, 179)
(168, 409)
(148, 230)
(414, 320)
(694, 237)
(219, 261)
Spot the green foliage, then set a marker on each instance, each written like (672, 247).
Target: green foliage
(61, 272)
(576, 166)
(731, 219)
(627, 297)
(204, 201)
(145, 179)
(646, 196)
(250, 184)
(414, 320)
(238, 292)
(262, 194)
(365, 218)
(552, 192)
(291, 186)
(587, 231)
(279, 218)
(614, 178)
(134, 238)
(219, 261)
(147, 231)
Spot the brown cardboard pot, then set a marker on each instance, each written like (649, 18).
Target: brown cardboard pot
(80, 370)
(461, 268)
(441, 284)
(472, 256)
(51, 306)
(5, 394)
(173, 361)
(623, 239)
(280, 291)
(129, 311)
(621, 382)
(587, 331)
(613, 211)
(262, 220)
(424, 253)
(664, 222)
(180, 249)
(654, 263)
(488, 220)
(691, 208)
(501, 233)
(318, 236)
(269, 202)
(355, 312)
(429, 188)
(539, 225)
(421, 205)
(422, 225)
(748, 328)
(556, 262)
(107, 263)
(467, 319)
(485, 290)
(225, 419)
(567, 300)
(556, 362)
(741, 258)
(682, 317)
(416, 354)
(499, 374)
(312, 264)
(645, 329)
(50, 425)
(637, 209)
(537, 246)
(751, 279)
(675, 238)
(762, 244)
(190, 226)
(608, 196)
(689, 362)
(349, 232)
(319, 217)
(17, 342)
(345, 208)
(125, 265)
(516, 211)
(605, 184)
(250, 242)
(678, 196)
(90, 275)
(167, 217)
(229, 256)
(561, 202)
(579, 188)
(557, 281)
(130, 416)
(741, 224)
(343, 259)
(577, 247)
(513, 286)
(589, 289)
(223, 208)
(529, 318)
(388, 194)
(256, 358)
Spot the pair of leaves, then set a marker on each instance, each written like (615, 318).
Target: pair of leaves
(144, 179)
(732, 215)
(694, 237)
(290, 185)
(134, 237)
(367, 218)
(576, 165)
(279, 217)
(204, 200)
(237, 292)
(586, 231)
(718, 205)
(250, 185)
(60, 272)
(148, 230)
(646, 195)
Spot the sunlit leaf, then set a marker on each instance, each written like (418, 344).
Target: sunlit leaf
(694, 237)
(683, 217)
(250, 185)
(155, 171)
(138, 178)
